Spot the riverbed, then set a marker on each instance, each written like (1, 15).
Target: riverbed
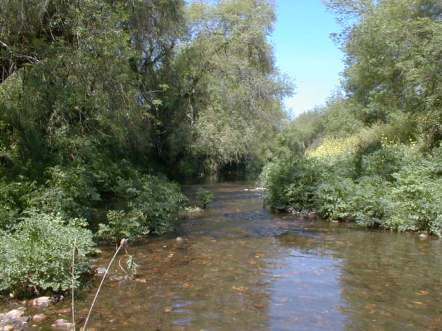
(240, 267)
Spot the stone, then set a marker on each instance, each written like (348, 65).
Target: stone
(62, 324)
(13, 320)
(100, 271)
(179, 239)
(41, 302)
(423, 236)
(39, 318)
(14, 314)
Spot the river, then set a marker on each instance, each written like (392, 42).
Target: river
(239, 267)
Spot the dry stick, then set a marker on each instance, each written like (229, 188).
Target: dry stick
(123, 243)
(73, 284)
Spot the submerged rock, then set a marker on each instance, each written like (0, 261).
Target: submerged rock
(423, 236)
(41, 302)
(62, 324)
(100, 271)
(13, 320)
(14, 314)
(39, 318)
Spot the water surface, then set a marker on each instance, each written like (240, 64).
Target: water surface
(241, 268)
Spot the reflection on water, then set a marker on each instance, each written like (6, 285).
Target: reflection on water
(241, 268)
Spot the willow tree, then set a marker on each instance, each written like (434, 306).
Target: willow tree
(229, 89)
(394, 62)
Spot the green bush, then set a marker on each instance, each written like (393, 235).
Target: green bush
(121, 224)
(160, 202)
(37, 255)
(14, 198)
(69, 191)
(370, 202)
(416, 200)
(332, 198)
(146, 204)
(292, 183)
(391, 186)
(204, 197)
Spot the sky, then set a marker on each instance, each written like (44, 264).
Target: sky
(305, 52)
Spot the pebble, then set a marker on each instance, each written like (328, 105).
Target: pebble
(13, 320)
(15, 314)
(179, 239)
(100, 271)
(41, 302)
(62, 324)
(39, 317)
(423, 236)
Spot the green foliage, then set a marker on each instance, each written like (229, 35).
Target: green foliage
(98, 98)
(204, 197)
(373, 154)
(37, 255)
(332, 198)
(395, 188)
(121, 224)
(416, 199)
(292, 182)
(14, 199)
(70, 192)
(160, 203)
(148, 205)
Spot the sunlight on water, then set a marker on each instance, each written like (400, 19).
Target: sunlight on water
(241, 268)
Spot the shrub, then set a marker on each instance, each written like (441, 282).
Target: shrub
(292, 183)
(386, 184)
(70, 192)
(160, 202)
(14, 198)
(388, 159)
(204, 197)
(332, 198)
(121, 225)
(416, 200)
(369, 201)
(146, 204)
(37, 255)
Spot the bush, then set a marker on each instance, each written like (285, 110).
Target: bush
(332, 198)
(70, 192)
(121, 225)
(146, 204)
(37, 255)
(203, 198)
(369, 201)
(14, 198)
(416, 200)
(390, 185)
(292, 183)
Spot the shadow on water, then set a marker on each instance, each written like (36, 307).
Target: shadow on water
(241, 268)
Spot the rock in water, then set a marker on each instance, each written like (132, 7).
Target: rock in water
(39, 318)
(41, 302)
(13, 320)
(62, 324)
(100, 271)
(423, 236)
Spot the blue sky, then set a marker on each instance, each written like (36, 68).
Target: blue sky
(305, 52)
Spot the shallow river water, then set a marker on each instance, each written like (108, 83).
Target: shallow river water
(241, 268)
